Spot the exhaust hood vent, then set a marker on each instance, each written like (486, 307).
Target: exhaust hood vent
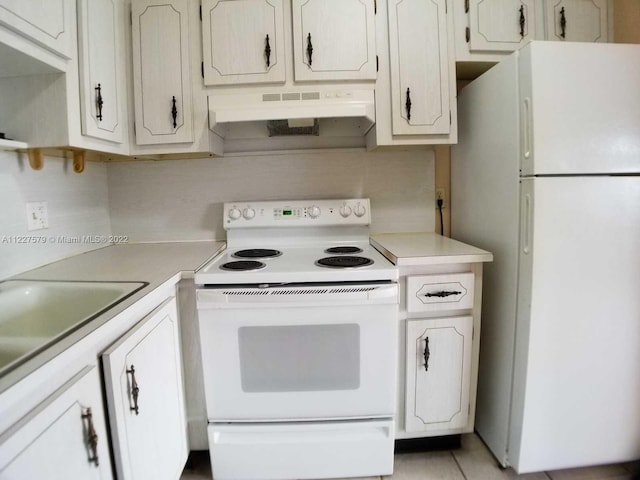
(293, 127)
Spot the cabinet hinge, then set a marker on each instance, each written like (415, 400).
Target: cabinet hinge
(466, 6)
(377, 63)
(202, 69)
(467, 34)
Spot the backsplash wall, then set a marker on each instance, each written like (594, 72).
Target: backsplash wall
(173, 200)
(77, 204)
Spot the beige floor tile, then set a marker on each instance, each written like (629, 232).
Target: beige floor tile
(425, 466)
(603, 472)
(478, 463)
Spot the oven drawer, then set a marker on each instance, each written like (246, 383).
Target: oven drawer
(302, 450)
(432, 293)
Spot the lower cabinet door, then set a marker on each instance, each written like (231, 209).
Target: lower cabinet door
(438, 373)
(145, 396)
(63, 438)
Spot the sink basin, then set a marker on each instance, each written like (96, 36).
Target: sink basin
(36, 314)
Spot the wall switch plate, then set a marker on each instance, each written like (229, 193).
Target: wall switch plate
(37, 216)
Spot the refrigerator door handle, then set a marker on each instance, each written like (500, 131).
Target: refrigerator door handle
(526, 241)
(526, 128)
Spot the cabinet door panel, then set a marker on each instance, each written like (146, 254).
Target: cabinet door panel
(495, 25)
(235, 41)
(52, 440)
(438, 373)
(101, 80)
(419, 67)
(161, 71)
(342, 39)
(584, 20)
(46, 22)
(150, 441)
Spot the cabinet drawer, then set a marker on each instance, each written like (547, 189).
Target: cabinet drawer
(430, 293)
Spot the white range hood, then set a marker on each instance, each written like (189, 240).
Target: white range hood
(300, 119)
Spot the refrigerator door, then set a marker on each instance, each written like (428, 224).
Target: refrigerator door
(580, 108)
(577, 353)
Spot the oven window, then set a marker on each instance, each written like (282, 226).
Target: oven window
(300, 358)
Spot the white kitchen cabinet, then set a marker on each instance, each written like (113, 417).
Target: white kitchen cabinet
(438, 373)
(64, 437)
(486, 30)
(145, 396)
(500, 25)
(334, 40)
(577, 20)
(243, 41)
(45, 22)
(102, 81)
(419, 63)
(161, 72)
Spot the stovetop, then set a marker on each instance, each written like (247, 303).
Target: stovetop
(299, 241)
(299, 265)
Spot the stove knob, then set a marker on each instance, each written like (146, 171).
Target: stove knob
(314, 211)
(248, 213)
(360, 210)
(235, 213)
(345, 210)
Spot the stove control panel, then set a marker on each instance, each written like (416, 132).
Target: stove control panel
(297, 213)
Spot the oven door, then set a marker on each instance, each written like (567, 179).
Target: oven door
(306, 352)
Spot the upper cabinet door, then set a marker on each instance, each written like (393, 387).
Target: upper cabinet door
(500, 25)
(46, 22)
(577, 20)
(101, 78)
(334, 40)
(243, 41)
(143, 381)
(419, 67)
(161, 72)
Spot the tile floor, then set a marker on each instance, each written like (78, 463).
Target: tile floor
(472, 461)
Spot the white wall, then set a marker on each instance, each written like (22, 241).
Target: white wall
(77, 204)
(182, 199)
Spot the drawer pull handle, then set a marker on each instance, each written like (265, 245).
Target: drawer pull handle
(92, 437)
(174, 112)
(134, 389)
(442, 294)
(427, 354)
(522, 21)
(563, 23)
(309, 49)
(407, 105)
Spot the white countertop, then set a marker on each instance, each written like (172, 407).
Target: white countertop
(425, 248)
(158, 264)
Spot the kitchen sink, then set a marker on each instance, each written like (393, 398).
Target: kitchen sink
(35, 314)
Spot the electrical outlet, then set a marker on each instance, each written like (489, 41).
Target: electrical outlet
(37, 216)
(440, 196)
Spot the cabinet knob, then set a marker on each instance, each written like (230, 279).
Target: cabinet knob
(91, 437)
(174, 112)
(563, 23)
(309, 49)
(99, 102)
(426, 354)
(267, 51)
(134, 389)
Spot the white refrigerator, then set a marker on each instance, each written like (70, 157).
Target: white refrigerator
(546, 175)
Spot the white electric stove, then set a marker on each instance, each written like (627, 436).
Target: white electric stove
(298, 322)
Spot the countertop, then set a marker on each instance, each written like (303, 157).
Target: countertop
(158, 264)
(423, 248)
